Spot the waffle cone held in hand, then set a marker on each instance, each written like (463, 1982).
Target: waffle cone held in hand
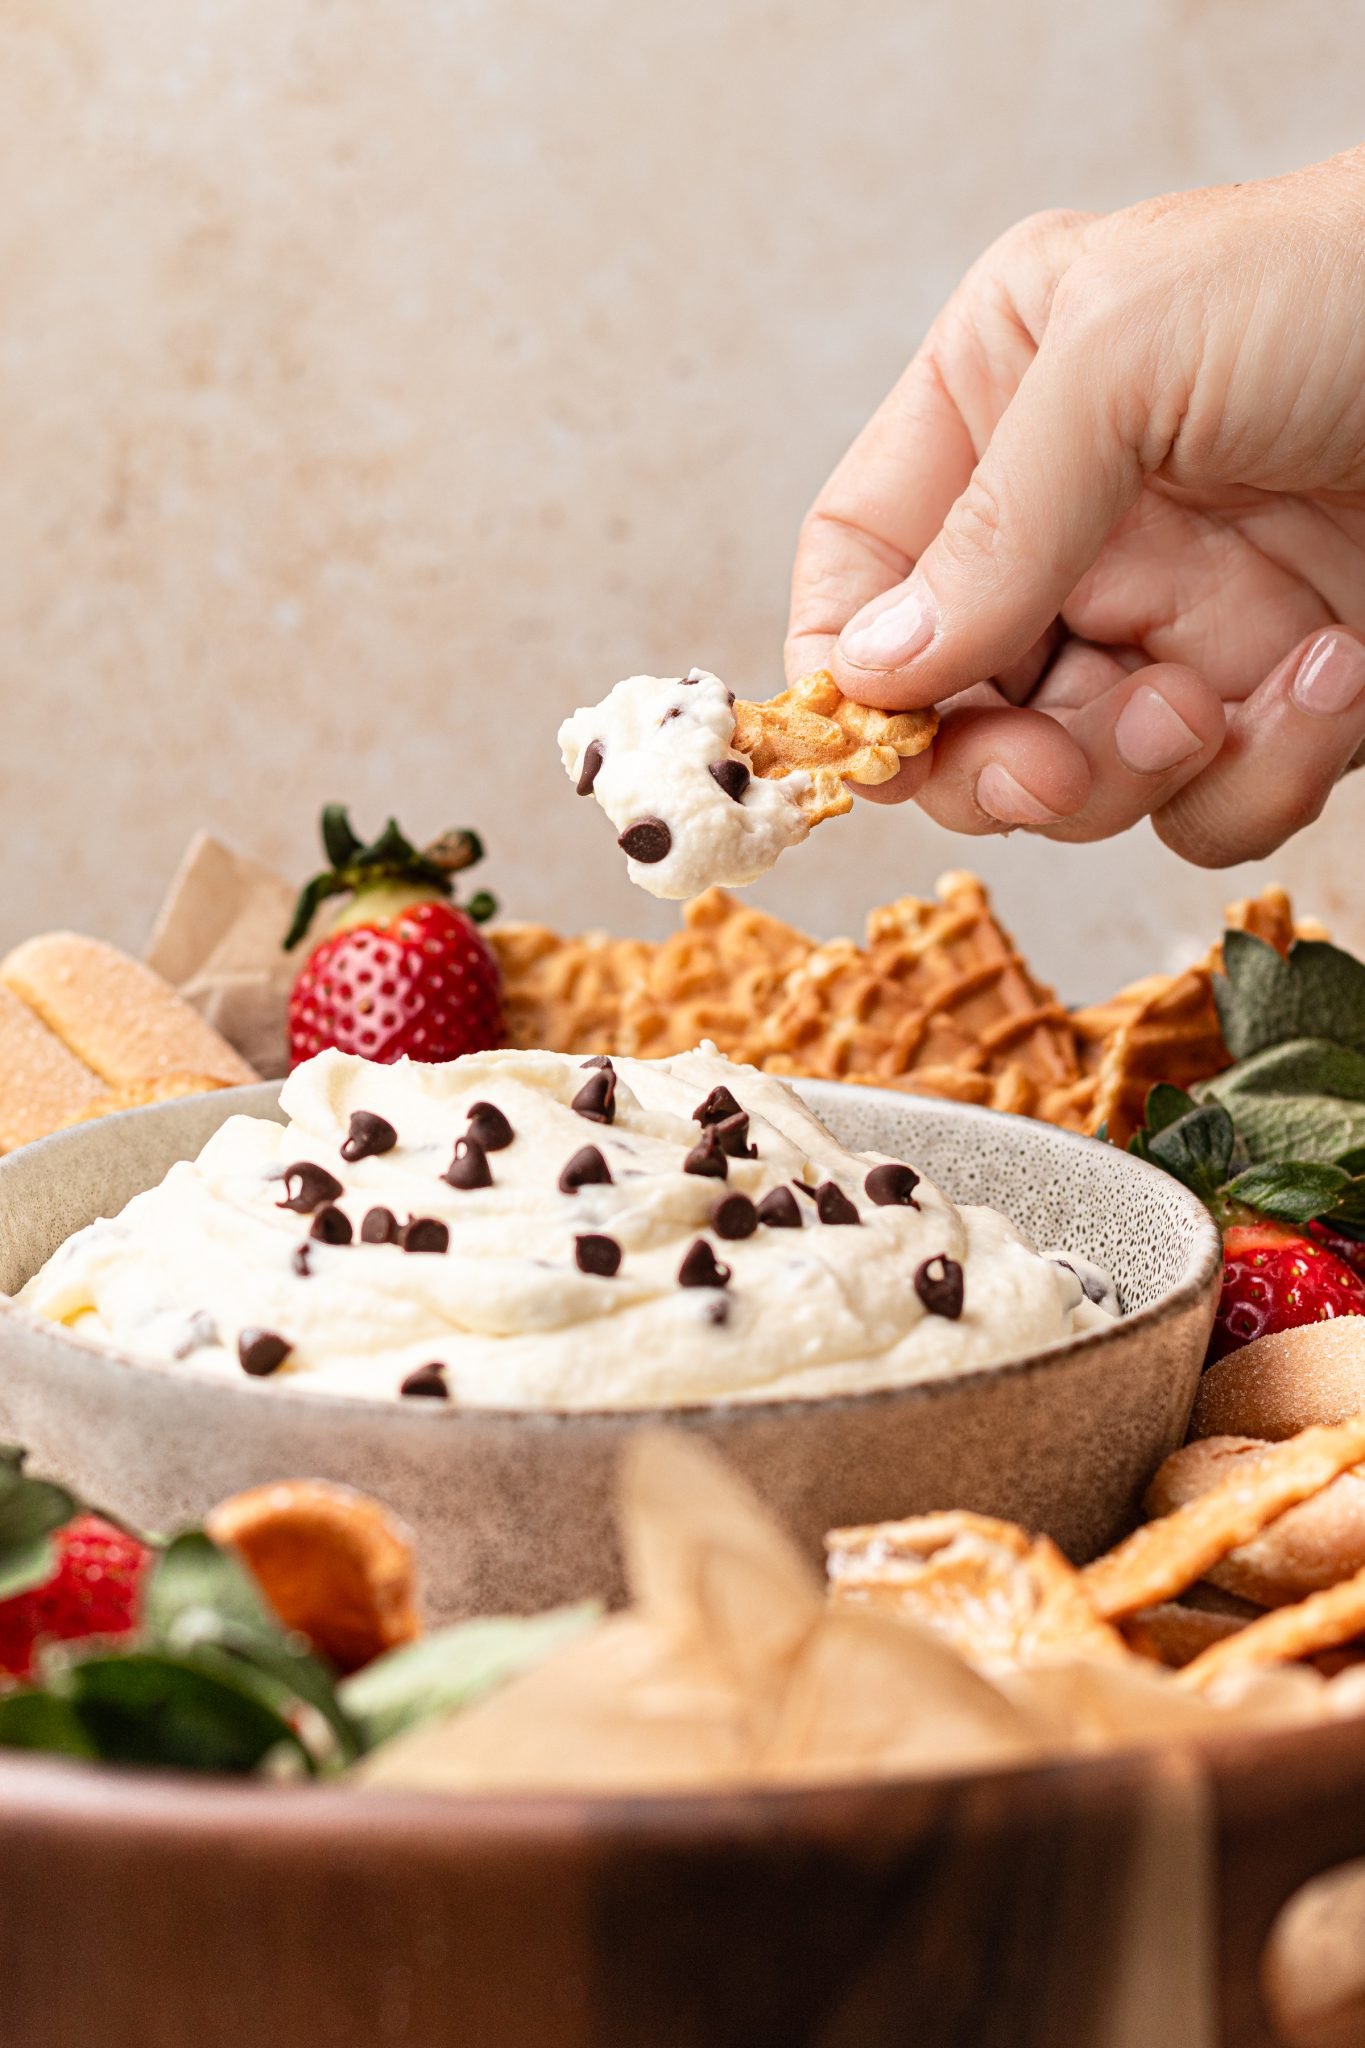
(815, 728)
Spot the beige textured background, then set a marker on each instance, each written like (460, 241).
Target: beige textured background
(380, 377)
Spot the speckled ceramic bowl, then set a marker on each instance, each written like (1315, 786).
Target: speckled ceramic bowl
(514, 1510)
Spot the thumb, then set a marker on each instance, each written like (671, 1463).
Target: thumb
(1056, 477)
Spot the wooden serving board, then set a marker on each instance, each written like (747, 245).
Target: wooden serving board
(141, 1911)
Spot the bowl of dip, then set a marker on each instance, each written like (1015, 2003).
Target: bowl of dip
(464, 1287)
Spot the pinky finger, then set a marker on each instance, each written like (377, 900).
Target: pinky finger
(1287, 746)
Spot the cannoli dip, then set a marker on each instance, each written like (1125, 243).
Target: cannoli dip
(528, 1230)
(656, 754)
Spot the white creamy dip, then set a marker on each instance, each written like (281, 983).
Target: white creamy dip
(198, 1271)
(649, 753)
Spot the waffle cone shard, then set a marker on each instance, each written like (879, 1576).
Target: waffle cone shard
(814, 728)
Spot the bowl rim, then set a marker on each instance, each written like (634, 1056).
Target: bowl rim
(1203, 1263)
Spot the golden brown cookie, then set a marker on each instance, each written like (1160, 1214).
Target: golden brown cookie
(815, 728)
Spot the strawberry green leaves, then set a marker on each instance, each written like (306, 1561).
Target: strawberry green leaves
(1281, 1130)
(30, 1511)
(353, 867)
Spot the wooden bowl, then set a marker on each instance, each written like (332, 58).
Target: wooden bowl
(141, 1911)
(516, 1510)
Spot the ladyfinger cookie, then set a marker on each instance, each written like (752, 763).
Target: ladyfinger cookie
(116, 1015)
(42, 1085)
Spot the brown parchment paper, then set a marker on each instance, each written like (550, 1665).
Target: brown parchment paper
(218, 940)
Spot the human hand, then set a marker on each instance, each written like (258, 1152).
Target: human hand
(1124, 480)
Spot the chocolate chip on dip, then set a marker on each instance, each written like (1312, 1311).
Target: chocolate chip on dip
(425, 1234)
(892, 1185)
(733, 778)
(379, 1227)
(369, 1136)
(701, 1267)
(587, 1168)
(307, 1187)
(719, 1105)
(489, 1127)
(707, 1158)
(596, 1099)
(428, 1381)
(469, 1168)
(600, 1256)
(833, 1206)
(331, 1225)
(262, 1352)
(592, 766)
(648, 840)
(734, 1216)
(938, 1283)
(780, 1210)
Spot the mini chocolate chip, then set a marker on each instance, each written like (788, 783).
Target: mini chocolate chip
(302, 1264)
(596, 1099)
(718, 1311)
(262, 1352)
(780, 1210)
(674, 711)
(803, 1189)
(599, 1255)
(587, 1168)
(648, 840)
(938, 1283)
(380, 1227)
(469, 1168)
(331, 1226)
(689, 679)
(733, 778)
(833, 1206)
(428, 1380)
(734, 1216)
(308, 1186)
(707, 1158)
(200, 1331)
(591, 768)
(490, 1127)
(891, 1186)
(719, 1105)
(598, 1059)
(701, 1267)
(368, 1135)
(425, 1234)
(733, 1136)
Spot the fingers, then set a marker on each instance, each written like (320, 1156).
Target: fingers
(1144, 738)
(891, 493)
(1055, 479)
(995, 769)
(1287, 745)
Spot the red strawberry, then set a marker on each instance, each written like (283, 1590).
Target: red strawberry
(403, 971)
(1274, 1278)
(94, 1590)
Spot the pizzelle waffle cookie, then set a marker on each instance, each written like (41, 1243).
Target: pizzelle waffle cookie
(815, 728)
(937, 1000)
(85, 1029)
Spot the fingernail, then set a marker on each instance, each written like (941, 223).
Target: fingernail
(1152, 736)
(1007, 801)
(893, 629)
(1331, 676)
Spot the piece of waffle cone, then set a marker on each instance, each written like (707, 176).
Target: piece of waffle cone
(126, 1023)
(939, 997)
(999, 1596)
(1165, 1027)
(42, 1083)
(566, 995)
(715, 978)
(815, 728)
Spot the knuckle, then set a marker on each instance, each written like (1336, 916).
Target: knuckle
(975, 528)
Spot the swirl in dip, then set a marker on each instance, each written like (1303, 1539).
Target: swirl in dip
(488, 1257)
